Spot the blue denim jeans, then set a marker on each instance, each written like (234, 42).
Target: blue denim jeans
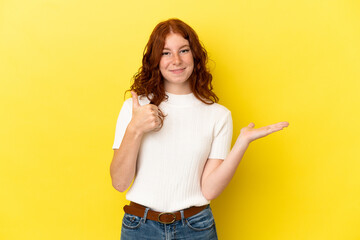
(200, 226)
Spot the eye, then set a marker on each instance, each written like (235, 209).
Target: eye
(185, 50)
(165, 53)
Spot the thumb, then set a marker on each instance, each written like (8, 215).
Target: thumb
(251, 125)
(135, 100)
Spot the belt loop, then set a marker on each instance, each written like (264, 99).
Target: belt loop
(182, 217)
(145, 213)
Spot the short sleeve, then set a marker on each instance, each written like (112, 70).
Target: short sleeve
(221, 143)
(122, 123)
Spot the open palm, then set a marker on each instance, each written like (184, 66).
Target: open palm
(249, 133)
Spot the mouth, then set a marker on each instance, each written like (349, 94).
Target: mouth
(177, 71)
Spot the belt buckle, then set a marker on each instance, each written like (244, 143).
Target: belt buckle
(167, 213)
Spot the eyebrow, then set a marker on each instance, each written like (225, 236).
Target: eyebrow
(186, 45)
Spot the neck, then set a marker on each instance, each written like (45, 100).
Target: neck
(178, 90)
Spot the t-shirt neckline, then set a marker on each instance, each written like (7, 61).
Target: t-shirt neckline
(181, 99)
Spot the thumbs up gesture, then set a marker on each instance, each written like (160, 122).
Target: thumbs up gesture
(144, 118)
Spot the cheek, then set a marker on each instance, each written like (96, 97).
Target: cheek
(163, 64)
(162, 68)
(190, 60)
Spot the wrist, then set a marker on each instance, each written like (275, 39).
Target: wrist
(134, 130)
(242, 142)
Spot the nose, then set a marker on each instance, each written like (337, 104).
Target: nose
(177, 59)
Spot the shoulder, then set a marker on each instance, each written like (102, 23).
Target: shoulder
(218, 109)
(221, 108)
(216, 113)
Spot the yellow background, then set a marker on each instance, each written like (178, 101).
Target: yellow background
(66, 64)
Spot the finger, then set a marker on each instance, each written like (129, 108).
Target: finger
(135, 99)
(281, 125)
(285, 124)
(158, 127)
(154, 110)
(251, 125)
(277, 126)
(154, 107)
(156, 114)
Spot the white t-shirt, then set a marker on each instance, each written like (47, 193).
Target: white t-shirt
(171, 161)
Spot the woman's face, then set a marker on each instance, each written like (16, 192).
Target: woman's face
(176, 64)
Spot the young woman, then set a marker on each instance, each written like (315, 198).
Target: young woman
(173, 139)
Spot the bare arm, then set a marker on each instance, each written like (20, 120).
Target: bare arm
(123, 166)
(218, 173)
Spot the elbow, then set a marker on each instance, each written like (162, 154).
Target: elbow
(209, 196)
(120, 187)
(208, 192)
(119, 182)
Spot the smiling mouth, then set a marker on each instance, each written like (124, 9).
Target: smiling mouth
(177, 70)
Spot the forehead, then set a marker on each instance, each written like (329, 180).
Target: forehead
(175, 40)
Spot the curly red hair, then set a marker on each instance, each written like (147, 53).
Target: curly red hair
(149, 82)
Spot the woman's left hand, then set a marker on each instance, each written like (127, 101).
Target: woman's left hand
(249, 133)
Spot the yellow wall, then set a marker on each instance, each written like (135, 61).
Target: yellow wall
(64, 66)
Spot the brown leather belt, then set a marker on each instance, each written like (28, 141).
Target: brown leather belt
(162, 217)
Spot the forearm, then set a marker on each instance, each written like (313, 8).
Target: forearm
(123, 165)
(217, 180)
